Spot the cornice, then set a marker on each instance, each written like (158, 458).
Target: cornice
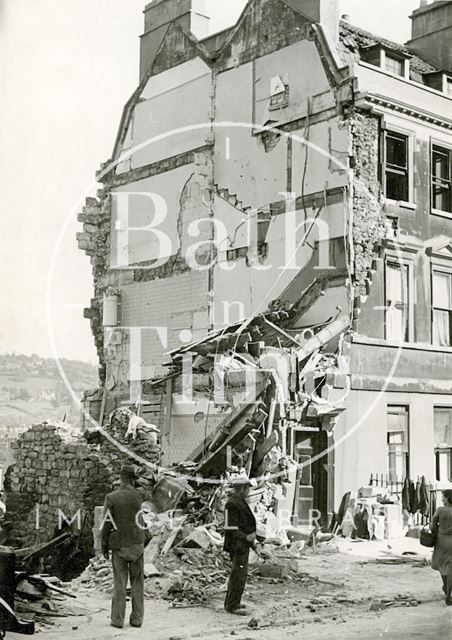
(409, 110)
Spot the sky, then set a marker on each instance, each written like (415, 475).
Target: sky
(67, 67)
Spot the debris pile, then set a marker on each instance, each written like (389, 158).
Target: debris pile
(42, 598)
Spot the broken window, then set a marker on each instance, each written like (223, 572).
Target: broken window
(394, 65)
(441, 179)
(442, 429)
(397, 438)
(442, 308)
(397, 302)
(396, 169)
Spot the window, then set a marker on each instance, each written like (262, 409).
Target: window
(441, 179)
(449, 87)
(442, 429)
(442, 308)
(397, 302)
(396, 177)
(397, 437)
(394, 65)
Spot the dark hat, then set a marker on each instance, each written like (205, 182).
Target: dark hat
(129, 470)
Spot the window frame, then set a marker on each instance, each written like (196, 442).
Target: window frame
(391, 409)
(447, 85)
(395, 59)
(406, 269)
(439, 144)
(398, 132)
(393, 256)
(439, 450)
(436, 268)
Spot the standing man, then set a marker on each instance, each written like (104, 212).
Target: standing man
(123, 533)
(239, 537)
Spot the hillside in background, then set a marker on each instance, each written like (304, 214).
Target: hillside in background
(31, 390)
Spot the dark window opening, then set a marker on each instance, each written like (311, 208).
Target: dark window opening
(441, 179)
(396, 171)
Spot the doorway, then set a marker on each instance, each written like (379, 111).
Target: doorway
(311, 496)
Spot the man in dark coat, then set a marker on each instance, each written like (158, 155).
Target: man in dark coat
(123, 533)
(239, 537)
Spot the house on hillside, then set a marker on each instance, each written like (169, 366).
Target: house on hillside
(279, 200)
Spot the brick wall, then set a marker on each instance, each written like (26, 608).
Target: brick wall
(173, 304)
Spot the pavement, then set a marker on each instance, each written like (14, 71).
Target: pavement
(337, 602)
(430, 621)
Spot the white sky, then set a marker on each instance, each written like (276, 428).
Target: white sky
(66, 69)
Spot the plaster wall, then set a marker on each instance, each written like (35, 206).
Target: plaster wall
(158, 200)
(175, 99)
(257, 172)
(251, 284)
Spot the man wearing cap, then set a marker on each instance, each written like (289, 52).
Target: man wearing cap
(239, 537)
(123, 533)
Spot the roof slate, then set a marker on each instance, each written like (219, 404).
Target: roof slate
(352, 39)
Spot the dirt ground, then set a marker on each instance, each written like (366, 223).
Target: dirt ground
(337, 596)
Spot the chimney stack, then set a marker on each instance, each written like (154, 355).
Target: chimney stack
(159, 14)
(431, 33)
(325, 12)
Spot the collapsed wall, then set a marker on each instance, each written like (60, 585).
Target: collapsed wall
(60, 475)
(369, 222)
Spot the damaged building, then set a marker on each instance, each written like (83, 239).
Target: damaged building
(277, 209)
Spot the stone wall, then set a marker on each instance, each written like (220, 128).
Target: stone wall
(369, 227)
(58, 473)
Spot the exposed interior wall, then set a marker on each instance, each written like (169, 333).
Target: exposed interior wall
(177, 99)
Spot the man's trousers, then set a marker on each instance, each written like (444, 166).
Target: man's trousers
(122, 570)
(237, 579)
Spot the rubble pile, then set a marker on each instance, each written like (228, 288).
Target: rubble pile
(191, 571)
(44, 598)
(136, 434)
